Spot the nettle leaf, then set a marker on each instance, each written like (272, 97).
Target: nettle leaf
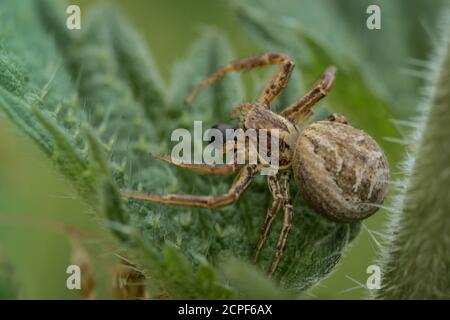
(20, 113)
(11, 78)
(95, 103)
(207, 54)
(134, 57)
(251, 282)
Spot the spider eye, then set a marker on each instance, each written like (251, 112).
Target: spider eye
(335, 117)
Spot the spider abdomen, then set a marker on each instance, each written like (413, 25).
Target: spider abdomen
(340, 171)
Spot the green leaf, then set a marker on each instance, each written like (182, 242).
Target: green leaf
(11, 78)
(251, 282)
(110, 202)
(206, 55)
(20, 113)
(66, 156)
(133, 58)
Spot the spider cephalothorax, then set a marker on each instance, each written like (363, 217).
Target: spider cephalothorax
(340, 171)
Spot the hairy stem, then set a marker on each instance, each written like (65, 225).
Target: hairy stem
(416, 261)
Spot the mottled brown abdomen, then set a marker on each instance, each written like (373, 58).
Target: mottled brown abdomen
(340, 171)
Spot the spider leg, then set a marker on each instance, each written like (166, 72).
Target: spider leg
(272, 89)
(240, 184)
(242, 109)
(275, 189)
(301, 109)
(216, 169)
(287, 224)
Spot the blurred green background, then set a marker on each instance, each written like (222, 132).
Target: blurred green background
(33, 197)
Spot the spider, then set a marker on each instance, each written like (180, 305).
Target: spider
(340, 171)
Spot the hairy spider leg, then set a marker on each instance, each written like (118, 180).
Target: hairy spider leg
(240, 184)
(271, 90)
(279, 187)
(301, 109)
(287, 223)
(275, 190)
(216, 169)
